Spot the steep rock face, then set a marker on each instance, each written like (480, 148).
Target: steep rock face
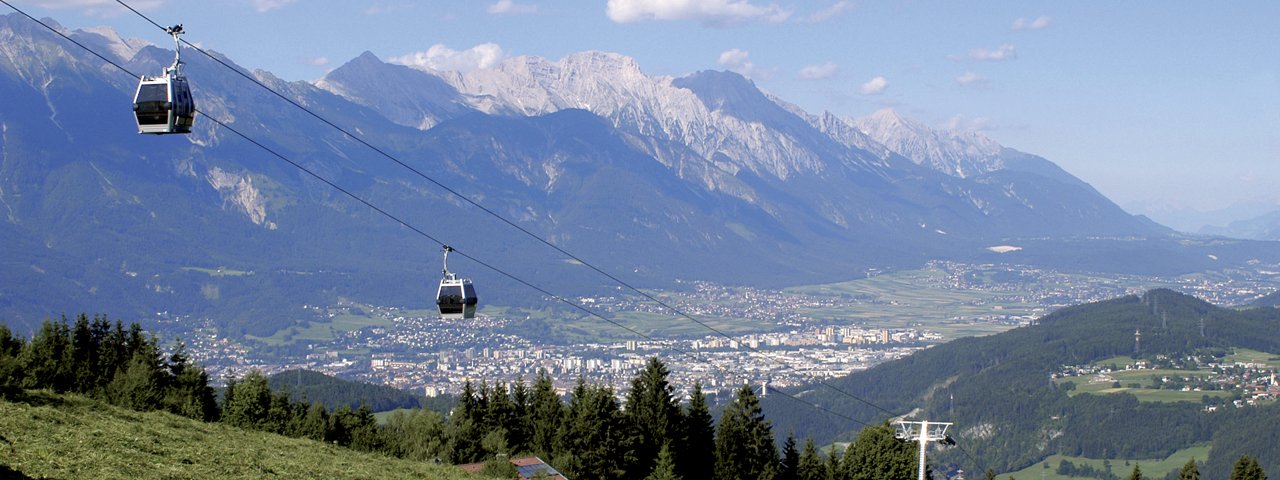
(406, 96)
(959, 154)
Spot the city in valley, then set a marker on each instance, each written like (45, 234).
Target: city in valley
(775, 338)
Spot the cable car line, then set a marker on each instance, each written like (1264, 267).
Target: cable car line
(472, 202)
(423, 233)
(678, 312)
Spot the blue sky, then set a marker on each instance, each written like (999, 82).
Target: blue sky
(1158, 104)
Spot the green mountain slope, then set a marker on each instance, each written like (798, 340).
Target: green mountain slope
(1009, 413)
(55, 436)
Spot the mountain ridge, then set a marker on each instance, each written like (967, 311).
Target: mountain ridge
(748, 192)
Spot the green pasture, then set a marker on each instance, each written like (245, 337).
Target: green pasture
(1151, 468)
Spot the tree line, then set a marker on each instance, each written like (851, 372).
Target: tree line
(648, 433)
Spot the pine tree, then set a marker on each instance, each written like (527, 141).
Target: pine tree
(1247, 468)
(878, 454)
(466, 427)
(810, 466)
(189, 393)
(665, 468)
(699, 438)
(790, 466)
(84, 356)
(653, 414)
(545, 414)
(1189, 471)
(832, 467)
(11, 347)
(1136, 474)
(141, 386)
(520, 430)
(592, 434)
(991, 475)
(247, 403)
(46, 361)
(744, 440)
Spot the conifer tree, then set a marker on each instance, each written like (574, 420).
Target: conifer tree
(1247, 468)
(832, 467)
(654, 415)
(315, 423)
(790, 466)
(810, 466)
(545, 413)
(189, 393)
(10, 370)
(591, 439)
(1189, 471)
(990, 475)
(744, 440)
(1136, 474)
(247, 403)
(520, 429)
(665, 467)
(141, 386)
(46, 362)
(85, 356)
(878, 454)
(466, 427)
(699, 438)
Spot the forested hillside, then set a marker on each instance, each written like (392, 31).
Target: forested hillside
(1009, 413)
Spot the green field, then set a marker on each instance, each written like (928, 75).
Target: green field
(322, 332)
(1151, 468)
(919, 298)
(1245, 355)
(54, 436)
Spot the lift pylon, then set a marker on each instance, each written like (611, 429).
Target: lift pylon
(924, 432)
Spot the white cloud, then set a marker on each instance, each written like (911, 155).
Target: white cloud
(969, 79)
(269, 5)
(738, 61)
(440, 57)
(318, 61)
(511, 7)
(961, 123)
(835, 10)
(874, 86)
(1003, 52)
(98, 8)
(710, 12)
(819, 72)
(1024, 24)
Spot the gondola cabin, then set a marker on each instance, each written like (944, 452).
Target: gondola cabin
(164, 105)
(456, 298)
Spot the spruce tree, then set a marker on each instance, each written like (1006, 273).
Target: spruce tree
(878, 454)
(10, 369)
(664, 468)
(520, 429)
(46, 362)
(744, 440)
(653, 415)
(1136, 474)
(790, 466)
(810, 466)
(592, 435)
(699, 438)
(247, 403)
(1247, 468)
(1189, 471)
(545, 414)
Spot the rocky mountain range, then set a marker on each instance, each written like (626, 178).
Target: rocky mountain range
(657, 178)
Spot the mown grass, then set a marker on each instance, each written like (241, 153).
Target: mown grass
(1151, 468)
(67, 436)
